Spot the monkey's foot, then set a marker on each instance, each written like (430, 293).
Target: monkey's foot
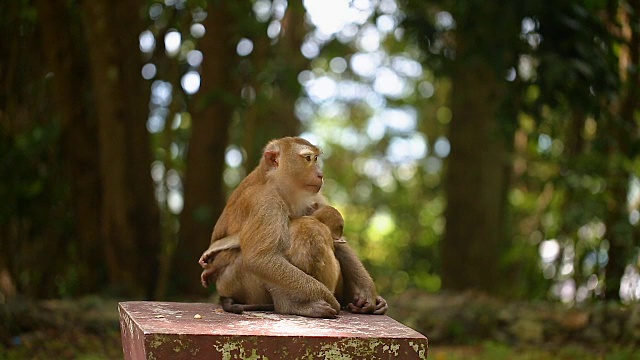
(205, 276)
(206, 257)
(317, 309)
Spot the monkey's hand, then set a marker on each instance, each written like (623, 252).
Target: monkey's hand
(381, 306)
(312, 208)
(365, 305)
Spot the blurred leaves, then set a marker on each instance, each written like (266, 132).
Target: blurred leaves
(377, 96)
(24, 169)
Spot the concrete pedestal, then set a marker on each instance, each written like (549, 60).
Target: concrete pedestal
(165, 330)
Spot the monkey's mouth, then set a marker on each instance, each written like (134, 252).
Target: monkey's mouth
(314, 188)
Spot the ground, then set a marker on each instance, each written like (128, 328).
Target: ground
(88, 328)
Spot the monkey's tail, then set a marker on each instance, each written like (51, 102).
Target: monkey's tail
(229, 305)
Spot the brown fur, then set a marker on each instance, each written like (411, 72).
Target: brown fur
(312, 246)
(311, 250)
(284, 186)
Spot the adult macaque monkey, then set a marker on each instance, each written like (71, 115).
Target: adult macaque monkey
(312, 251)
(283, 186)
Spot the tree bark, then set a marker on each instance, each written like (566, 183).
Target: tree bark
(204, 188)
(130, 219)
(33, 235)
(64, 52)
(476, 181)
(272, 115)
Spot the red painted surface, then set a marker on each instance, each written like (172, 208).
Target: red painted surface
(164, 330)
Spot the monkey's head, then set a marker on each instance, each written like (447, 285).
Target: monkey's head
(331, 217)
(293, 163)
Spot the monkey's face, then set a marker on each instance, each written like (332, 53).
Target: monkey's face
(313, 178)
(300, 168)
(293, 162)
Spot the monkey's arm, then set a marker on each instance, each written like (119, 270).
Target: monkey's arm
(230, 242)
(359, 291)
(263, 240)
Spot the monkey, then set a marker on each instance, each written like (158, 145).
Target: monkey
(311, 250)
(313, 245)
(285, 185)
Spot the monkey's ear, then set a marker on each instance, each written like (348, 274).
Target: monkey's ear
(271, 157)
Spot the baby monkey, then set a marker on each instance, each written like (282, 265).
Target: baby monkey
(313, 252)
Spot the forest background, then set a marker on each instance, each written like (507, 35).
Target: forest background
(470, 145)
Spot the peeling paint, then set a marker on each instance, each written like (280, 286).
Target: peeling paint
(226, 349)
(419, 349)
(331, 352)
(361, 347)
(353, 347)
(392, 348)
(157, 340)
(195, 351)
(180, 346)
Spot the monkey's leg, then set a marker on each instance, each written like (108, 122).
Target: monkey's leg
(310, 251)
(240, 291)
(359, 291)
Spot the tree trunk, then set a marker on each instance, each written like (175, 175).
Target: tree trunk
(204, 189)
(624, 128)
(293, 63)
(65, 57)
(130, 220)
(32, 224)
(272, 115)
(476, 182)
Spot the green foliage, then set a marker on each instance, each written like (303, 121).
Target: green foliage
(23, 163)
(570, 148)
(568, 142)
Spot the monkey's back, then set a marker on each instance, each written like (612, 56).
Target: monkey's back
(312, 251)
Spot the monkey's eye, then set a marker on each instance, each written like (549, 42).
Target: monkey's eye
(308, 158)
